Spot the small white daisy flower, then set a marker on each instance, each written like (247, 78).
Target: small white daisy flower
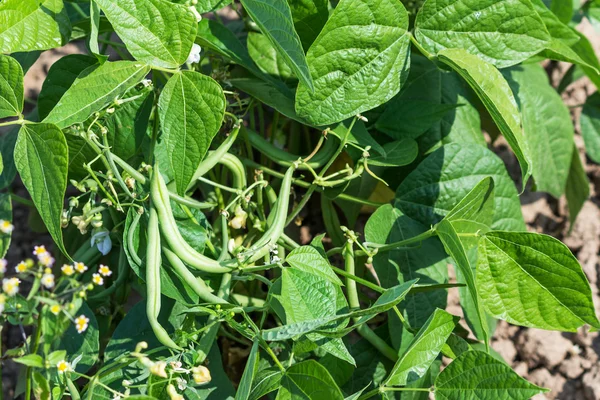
(67, 269)
(55, 309)
(3, 265)
(48, 280)
(2, 302)
(97, 280)
(46, 260)
(10, 286)
(21, 267)
(39, 251)
(63, 366)
(104, 270)
(6, 227)
(81, 323)
(80, 267)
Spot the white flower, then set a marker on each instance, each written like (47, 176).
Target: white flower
(63, 366)
(6, 227)
(55, 309)
(173, 395)
(10, 286)
(48, 280)
(67, 269)
(101, 239)
(2, 302)
(39, 251)
(194, 56)
(81, 323)
(158, 369)
(80, 267)
(104, 270)
(21, 267)
(3, 265)
(97, 279)
(46, 260)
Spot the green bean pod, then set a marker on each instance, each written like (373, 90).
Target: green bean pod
(168, 227)
(286, 159)
(197, 284)
(214, 157)
(277, 222)
(153, 264)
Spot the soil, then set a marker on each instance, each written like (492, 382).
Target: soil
(566, 363)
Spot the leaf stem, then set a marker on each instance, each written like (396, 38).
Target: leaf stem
(420, 48)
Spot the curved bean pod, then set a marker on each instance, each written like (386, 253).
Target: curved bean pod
(153, 264)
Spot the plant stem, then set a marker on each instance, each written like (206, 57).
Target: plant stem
(362, 281)
(353, 302)
(420, 48)
(22, 200)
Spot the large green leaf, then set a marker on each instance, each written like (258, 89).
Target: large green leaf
(7, 149)
(427, 262)
(440, 181)
(27, 25)
(372, 36)
(41, 157)
(308, 259)
(475, 375)
(424, 349)
(156, 32)
(533, 280)
(274, 19)
(94, 89)
(6, 214)
(267, 58)
(60, 77)
(578, 187)
(11, 87)
(308, 380)
(309, 18)
(455, 248)
(396, 154)
(584, 49)
(590, 126)
(496, 95)
(244, 389)
(191, 108)
(501, 32)
(547, 126)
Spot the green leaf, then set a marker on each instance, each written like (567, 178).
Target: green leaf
(372, 35)
(586, 52)
(7, 149)
(308, 259)
(41, 387)
(547, 126)
(476, 207)
(27, 25)
(61, 76)
(11, 87)
(309, 18)
(191, 109)
(56, 356)
(128, 124)
(156, 32)
(359, 135)
(267, 58)
(266, 381)
(424, 349)
(398, 153)
(590, 126)
(6, 214)
(82, 348)
(94, 27)
(94, 89)
(440, 181)
(426, 262)
(402, 119)
(498, 99)
(475, 375)
(533, 280)
(30, 360)
(501, 32)
(456, 250)
(578, 187)
(41, 157)
(274, 18)
(243, 392)
(308, 380)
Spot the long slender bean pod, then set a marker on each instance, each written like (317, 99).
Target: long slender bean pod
(168, 227)
(153, 265)
(215, 156)
(277, 222)
(197, 285)
(286, 159)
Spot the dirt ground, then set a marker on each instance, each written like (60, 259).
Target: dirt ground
(567, 363)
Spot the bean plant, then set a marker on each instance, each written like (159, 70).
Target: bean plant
(272, 199)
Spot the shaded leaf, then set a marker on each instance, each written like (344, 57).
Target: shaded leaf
(309, 18)
(578, 187)
(308, 380)
(308, 259)
(11, 87)
(396, 154)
